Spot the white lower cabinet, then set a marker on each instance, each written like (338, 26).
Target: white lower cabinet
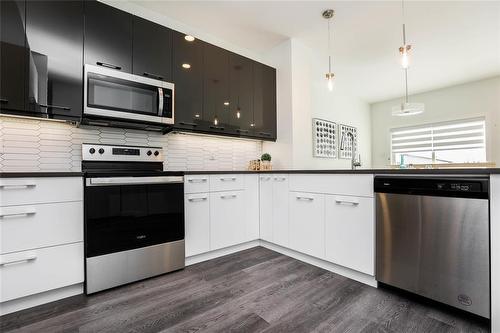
(307, 223)
(30, 272)
(227, 219)
(280, 210)
(274, 224)
(349, 232)
(266, 208)
(251, 202)
(197, 223)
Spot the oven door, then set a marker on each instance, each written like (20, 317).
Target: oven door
(110, 93)
(125, 213)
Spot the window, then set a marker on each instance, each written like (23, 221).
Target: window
(461, 141)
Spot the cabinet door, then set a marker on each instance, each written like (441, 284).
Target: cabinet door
(54, 31)
(241, 94)
(13, 56)
(266, 208)
(280, 210)
(307, 223)
(264, 80)
(349, 232)
(216, 89)
(187, 75)
(152, 55)
(251, 207)
(227, 220)
(108, 36)
(197, 210)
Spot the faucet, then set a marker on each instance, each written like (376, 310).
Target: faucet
(354, 163)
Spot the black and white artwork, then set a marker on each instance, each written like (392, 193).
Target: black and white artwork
(324, 138)
(348, 136)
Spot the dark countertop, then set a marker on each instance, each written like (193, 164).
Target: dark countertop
(471, 171)
(40, 174)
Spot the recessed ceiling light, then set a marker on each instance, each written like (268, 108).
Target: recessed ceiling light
(189, 38)
(186, 66)
(226, 103)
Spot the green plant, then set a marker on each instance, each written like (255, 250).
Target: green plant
(265, 157)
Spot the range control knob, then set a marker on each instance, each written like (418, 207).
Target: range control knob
(149, 153)
(92, 150)
(157, 153)
(101, 150)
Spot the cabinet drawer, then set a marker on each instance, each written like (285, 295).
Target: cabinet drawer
(21, 191)
(196, 183)
(343, 184)
(35, 271)
(228, 182)
(34, 226)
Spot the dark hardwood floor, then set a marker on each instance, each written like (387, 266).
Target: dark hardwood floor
(256, 290)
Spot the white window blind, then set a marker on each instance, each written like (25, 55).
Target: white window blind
(440, 139)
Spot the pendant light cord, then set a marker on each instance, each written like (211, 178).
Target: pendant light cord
(404, 45)
(329, 49)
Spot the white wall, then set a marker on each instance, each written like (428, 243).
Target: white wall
(303, 95)
(281, 151)
(469, 100)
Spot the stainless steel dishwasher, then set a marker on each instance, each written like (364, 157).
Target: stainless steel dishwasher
(433, 238)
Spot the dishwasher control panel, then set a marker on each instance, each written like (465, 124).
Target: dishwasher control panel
(469, 187)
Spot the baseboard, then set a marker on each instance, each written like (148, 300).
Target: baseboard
(221, 252)
(348, 273)
(41, 298)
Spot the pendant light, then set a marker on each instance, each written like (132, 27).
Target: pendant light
(406, 108)
(328, 14)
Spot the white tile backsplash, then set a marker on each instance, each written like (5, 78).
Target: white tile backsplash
(38, 145)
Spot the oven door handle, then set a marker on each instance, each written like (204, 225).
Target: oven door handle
(114, 181)
(160, 102)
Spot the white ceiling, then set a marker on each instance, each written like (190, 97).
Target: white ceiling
(453, 41)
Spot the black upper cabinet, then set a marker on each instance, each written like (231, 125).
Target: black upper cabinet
(152, 55)
(108, 36)
(241, 94)
(13, 56)
(216, 88)
(264, 81)
(54, 31)
(187, 75)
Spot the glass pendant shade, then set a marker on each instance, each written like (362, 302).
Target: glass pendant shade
(408, 109)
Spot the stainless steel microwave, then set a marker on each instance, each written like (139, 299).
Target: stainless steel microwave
(112, 94)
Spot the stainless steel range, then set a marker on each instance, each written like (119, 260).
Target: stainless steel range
(134, 215)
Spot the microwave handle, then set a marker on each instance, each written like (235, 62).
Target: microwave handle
(160, 102)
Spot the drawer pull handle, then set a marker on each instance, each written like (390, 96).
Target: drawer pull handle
(29, 257)
(197, 199)
(188, 124)
(48, 106)
(232, 196)
(155, 76)
(305, 198)
(17, 186)
(103, 64)
(18, 213)
(232, 179)
(346, 202)
(280, 179)
(197, 180)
